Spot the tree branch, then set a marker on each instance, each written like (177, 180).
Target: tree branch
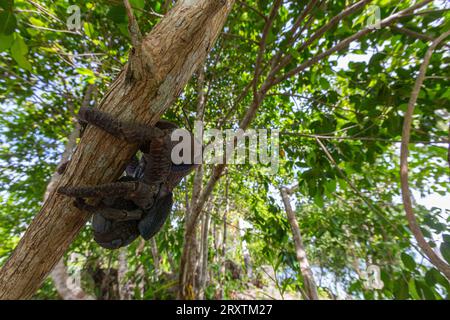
(344, 43)
(334, 21)
(437, 261)
(305, 268)
(133, 26)
(262, 43)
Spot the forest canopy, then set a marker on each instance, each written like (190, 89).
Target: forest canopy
(354, 94)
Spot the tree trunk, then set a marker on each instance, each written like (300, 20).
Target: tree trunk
(308, 278)
(224, 240)
(156, 74)
(124, 283)
(245, 251)
(65, 285)
(156, 256)
(204, 254)
(139, 275)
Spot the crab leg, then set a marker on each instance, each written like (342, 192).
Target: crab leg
(130, 132)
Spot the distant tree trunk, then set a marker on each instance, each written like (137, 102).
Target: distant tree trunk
(245, 251)
(159, 67)
(66, 286)
(155, 255)
(223, 250)
(308, 278)
(189, 277)
(139, 276)
(124, 283)
(204, 253)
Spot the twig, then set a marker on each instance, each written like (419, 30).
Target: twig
(52, 30)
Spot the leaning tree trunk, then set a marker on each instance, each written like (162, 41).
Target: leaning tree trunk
(159, 67)
(65, 285)
(305, 269)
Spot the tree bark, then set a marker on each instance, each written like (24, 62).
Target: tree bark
(154, 77)
(124, 283)
(434, 258)
(204, 253)
(223, 250)
(65, 285)
(156, 256)
(305, 269)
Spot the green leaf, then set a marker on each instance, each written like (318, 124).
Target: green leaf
(117, 14)
(408, 261)
(158, 6)
(446, 238)
(19, 47)
(430, 277)
(6, 41)
(7, 4)
(424, 291)
(8, 22)
(445, 251)
(324, 83)
(401, 289)
(19, 50)
(123, 28)
(23, 62)
(89, 29)
(85, 72)
(435, 277)
(37, 22)
(137, 4)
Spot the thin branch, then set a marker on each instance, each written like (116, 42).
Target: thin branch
(300, 19)
(406, 193)
(238, 100)
(300, 251)
(424, 12)
(263, 43)
(259, 13)
(52, 30)
(344, 43)
(45, 11)
(327, 137)
(291, 33)
(133, 27)
(334, 21)
(414, 34)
